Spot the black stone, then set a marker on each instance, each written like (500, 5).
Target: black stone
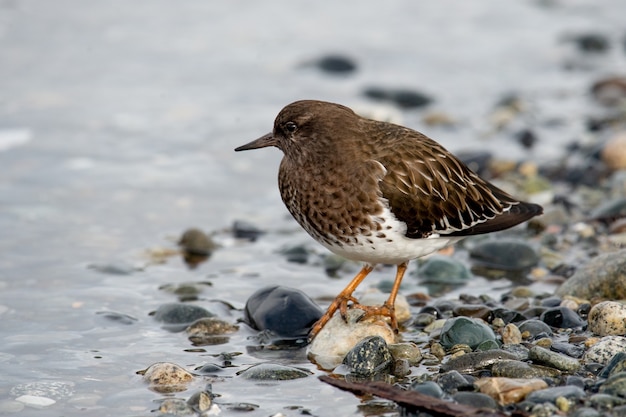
(562, 317)
(369, 357)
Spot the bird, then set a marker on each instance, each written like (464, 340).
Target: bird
(379, 193)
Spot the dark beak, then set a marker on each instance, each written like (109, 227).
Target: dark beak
(262, 142)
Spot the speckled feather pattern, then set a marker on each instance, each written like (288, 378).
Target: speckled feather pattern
(378, 192)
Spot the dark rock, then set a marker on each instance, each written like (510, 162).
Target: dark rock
(296, 254)
(535, 328)
(287, 312)
(556, 360)
(551, 394)
(568, 349)
(336, 64)
(117, 318)
(273, 372)
(177, 316)
(610, 210)
(615, 365)
(591, 42)
(475, 399)
(604, 276)
(508, 316)
(443, 269)
(465, 330)
(518, 369)
(369, 357)
(527, 138)
(429, 388)
(245, 230)
(506, 255)
(615, 385)
(453, 381)
(472, 310)
(404, 99)
(473, 361)
(562, 317)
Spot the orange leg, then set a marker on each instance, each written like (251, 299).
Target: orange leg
(388, 308)
(341, 301)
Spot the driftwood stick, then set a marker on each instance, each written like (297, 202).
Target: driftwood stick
(415, 400)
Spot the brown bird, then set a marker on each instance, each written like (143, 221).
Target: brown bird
(377, 192)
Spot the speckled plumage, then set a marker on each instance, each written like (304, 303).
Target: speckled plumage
(378, 192)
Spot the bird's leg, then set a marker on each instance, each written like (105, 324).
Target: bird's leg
(341, 301)
(388, 308)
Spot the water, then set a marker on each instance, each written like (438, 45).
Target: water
(117, 127)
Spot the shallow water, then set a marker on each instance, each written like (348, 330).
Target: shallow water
(117, 127)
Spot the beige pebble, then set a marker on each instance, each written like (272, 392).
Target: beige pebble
(166, 377)
(614, 152)
(509, 390)
(511, 335)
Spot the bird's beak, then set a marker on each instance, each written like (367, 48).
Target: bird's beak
(262, 142)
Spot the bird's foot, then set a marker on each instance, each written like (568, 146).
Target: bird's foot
(340, 303)
(385, 310)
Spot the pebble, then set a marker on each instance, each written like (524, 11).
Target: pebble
(553, 393)
(507, 255)
(336, 64)
(273, 372)
(404, 99)
(511, 334)
(535, 328)
(602, 351)
(286, 312)
(195, 242)
(562, 317)
(509, 390)
(614, 152)
(177, 316)
(553, 359)
(475, 399)
(209, 331)
(369, 357)
(166, 377)
(604, 276)
(338, 337)
(608, 318)
(429, 388)
(409, 351)
(245, 230)
(453, 381)
(615, 385)
(473, 361)
(465, 330)
(518, 369)
(443, 270)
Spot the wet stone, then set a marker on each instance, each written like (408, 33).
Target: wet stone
(562, 317)
(166, 377)
(273, 372)
(535, 328)
(196, 242)
(615, 385)
(453, 381)
(465, 330)
(443, 269)
(429, 388)
(207, 331)
(553, 359)
(509, 390)
(176, 407)
(552, 394)
(117, 318)
(608, 318)
(336, 64)
(246, 230)
(585, 412)
(518, 369)
(186, 290)
(604, 276)
(405, 99)
(507, 255)
(369, 357)
(287, 312)
(568, 349)
(605, 349)
(471, 310)
(177, 316)
(475, 399)
(487, 345)
(296, 254)
(615, 365)
(409, 351)
(511, 335)
(606, 401)
(474, 361)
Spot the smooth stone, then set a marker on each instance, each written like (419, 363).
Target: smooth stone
(196, 242)
(465, 330)
(186, 290)
(608, 318)
(273, 372)
(376, 298)
(508, 316)
(585, 412)
(568, 349)
(409, 351)
(209, 331)
(604, 276)
(338, 337)
(177, 316)
(472, 310)
(287, 312)
(452, 381)
(535, 327)
(475, 399)
(511, 335)
(430, 388)
(368, 357)
(606, 401)
(551, 394)
(336, 64)
(602, 351)
(443, 270)
(614, 385)
(562, 317)
(521, 352)
(615, 365)
(614, 152)
(553, 359)
(474, 361)
(509, 390)
(518, 369)
(487, 345)
(35, 401)
(246, 230)
(404, 99)
(201, 401)
(166, 377)
(507, 255)
(296, 254)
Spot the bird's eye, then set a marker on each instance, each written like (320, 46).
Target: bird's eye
(291, 127)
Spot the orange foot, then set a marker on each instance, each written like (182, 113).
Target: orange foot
(340, 303)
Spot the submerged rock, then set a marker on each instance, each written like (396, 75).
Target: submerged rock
(602, 277)
(465, 330)
(166, 377)
(273, 372)
(287, 312)
(177, 316)
(210, 331)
